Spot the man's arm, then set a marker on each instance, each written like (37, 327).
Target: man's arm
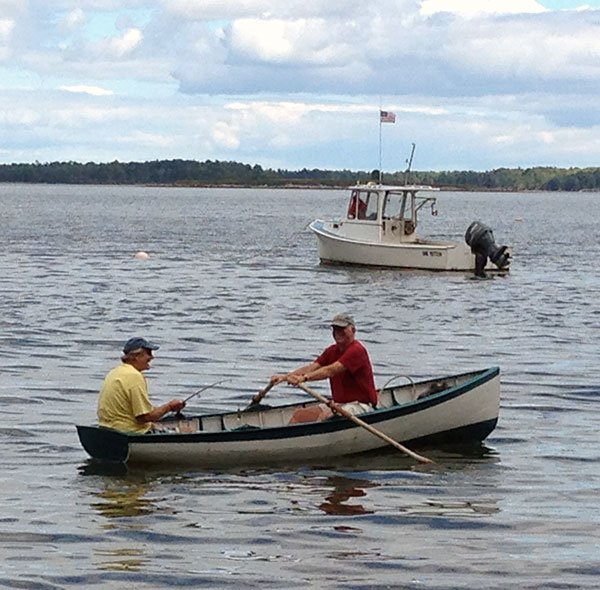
(315, 374)
(175, 405)
(279, 377)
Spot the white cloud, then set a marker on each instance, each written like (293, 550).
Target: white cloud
(469, 8)
(208, 10)
(92, 90)
(123, 45)
(149, 139)
(526, 50)
(225, 134)
(73, 20)
(12, 8)
(7, 26)
(295, 41)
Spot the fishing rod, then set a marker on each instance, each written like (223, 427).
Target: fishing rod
(189, 397)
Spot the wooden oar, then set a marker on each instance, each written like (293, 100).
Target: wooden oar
(258, 397)
(339, 410)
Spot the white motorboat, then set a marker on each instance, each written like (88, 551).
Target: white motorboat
(380, 229)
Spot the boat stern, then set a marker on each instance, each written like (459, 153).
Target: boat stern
(104, 444)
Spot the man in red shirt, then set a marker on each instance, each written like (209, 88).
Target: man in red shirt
(347, 366)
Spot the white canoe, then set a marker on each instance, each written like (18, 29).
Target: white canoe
(456, 408)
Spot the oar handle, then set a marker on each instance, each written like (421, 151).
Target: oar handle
(258, 397)
(339, 410)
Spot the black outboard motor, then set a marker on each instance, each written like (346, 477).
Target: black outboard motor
(481, 239)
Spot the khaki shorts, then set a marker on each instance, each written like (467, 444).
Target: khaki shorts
(356, 408)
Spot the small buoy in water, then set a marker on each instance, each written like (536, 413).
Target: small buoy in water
(142, 255)
(518, 219)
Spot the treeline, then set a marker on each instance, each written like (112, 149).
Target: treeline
(514, 179)
(217, 173)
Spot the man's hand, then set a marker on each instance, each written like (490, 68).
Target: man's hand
(176, 405)
(278, 378)
(295, 379)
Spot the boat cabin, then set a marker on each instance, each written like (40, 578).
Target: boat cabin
(386, 213)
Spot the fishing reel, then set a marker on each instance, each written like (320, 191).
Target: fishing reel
(481, 239)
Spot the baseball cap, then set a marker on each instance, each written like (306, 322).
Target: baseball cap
(342, 320)
(135, 343)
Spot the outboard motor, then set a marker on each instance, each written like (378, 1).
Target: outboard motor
(481, 239)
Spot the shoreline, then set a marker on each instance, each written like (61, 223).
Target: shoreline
(289, 186)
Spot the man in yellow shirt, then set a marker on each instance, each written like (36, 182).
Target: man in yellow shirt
(124, 403)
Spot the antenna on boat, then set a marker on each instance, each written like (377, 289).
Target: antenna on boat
(409, 162)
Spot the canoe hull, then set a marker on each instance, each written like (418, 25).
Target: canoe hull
(465, 411)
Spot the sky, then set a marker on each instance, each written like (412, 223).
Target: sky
(474, 84)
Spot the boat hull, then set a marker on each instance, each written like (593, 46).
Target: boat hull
(335, 248)
(466, 410)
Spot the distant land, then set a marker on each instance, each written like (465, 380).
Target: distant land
(193, 173)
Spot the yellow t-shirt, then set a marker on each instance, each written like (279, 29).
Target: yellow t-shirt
(124, 395)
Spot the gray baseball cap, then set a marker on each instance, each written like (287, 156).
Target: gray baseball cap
(342, 320)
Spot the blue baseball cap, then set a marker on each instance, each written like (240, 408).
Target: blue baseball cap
(135, 343)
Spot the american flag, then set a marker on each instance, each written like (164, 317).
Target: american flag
(387, 117)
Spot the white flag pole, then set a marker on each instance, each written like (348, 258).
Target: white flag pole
(380, 174)
(379, 146)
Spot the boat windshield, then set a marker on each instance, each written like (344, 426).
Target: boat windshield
(393, 205)
(363, 205)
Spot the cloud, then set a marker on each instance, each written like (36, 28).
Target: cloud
(7, 26)
(526, 51)
(73, 20)
(226, 10)
(225, 135)
(92, 90)
(12, 8)
(277, 41)
(400, 53)
(118, 46)
(470, 8)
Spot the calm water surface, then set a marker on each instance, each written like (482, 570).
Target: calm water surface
(233, 289)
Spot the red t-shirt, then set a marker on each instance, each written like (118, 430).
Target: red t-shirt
(356, 383)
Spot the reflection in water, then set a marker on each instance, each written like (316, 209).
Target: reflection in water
(122, 502)
(91, 467)
(122, 497)
(117, 559)
(345, 488)
(450, 509)
(456, 456)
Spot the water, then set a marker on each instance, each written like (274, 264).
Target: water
(233, 289)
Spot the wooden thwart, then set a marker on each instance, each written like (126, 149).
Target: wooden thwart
(339, 410)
